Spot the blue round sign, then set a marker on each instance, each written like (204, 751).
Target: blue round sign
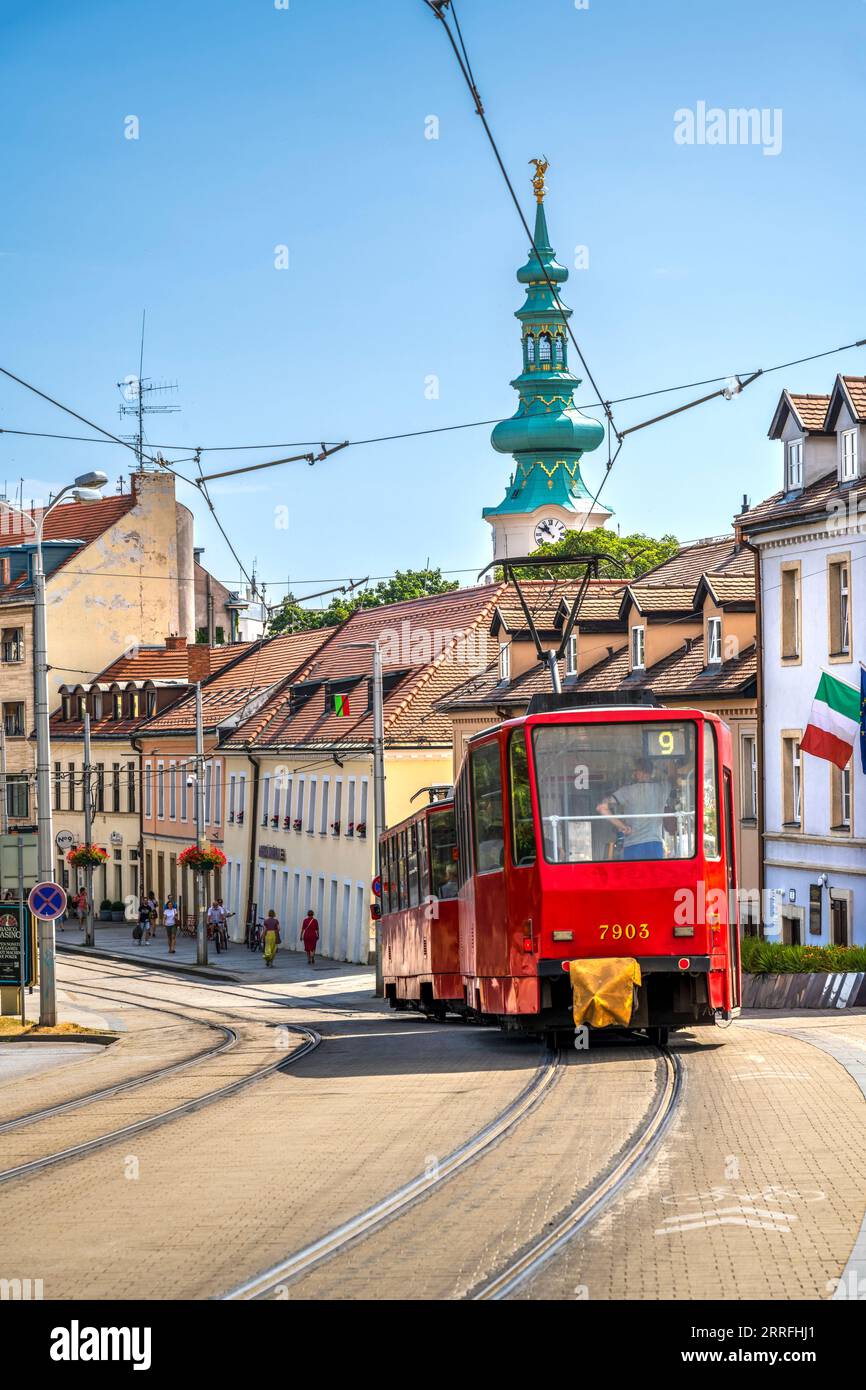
(47, 901)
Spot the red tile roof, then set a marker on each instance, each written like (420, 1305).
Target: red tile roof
(260, 666)
(80, 521)
(429, 646)
(811, 411)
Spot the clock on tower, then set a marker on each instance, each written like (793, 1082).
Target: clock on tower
(548, 530)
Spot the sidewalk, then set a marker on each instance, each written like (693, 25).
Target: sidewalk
(115, 939)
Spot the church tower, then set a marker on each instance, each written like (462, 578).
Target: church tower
(547, 435)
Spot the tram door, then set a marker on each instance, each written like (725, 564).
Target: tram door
(733, 942)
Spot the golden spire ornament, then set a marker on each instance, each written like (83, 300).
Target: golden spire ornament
(541, 168)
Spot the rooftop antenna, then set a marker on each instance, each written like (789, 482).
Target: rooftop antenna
(136, 392)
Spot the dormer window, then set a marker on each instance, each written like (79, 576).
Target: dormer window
(848, 468)
(714, 641)
(638, 648)
(544, 349)
(571, 656)
(560, 350)
(118, 705)
(794, 465)
(97, 704)
(504, 662)
(530, 350)
(67, 707)
(82, 706)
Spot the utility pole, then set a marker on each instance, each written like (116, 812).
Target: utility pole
(200, 915)
(88, 833)
(45, 856)
(378, 791)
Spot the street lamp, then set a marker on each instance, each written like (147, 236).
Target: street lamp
(378, 781)
(85, 488)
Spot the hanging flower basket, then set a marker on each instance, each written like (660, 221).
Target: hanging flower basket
(87, 856)
(202, 861)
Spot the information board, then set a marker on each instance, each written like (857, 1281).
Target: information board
(11, 917)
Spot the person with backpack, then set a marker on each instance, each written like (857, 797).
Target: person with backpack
(141, 930)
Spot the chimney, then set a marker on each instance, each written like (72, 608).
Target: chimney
(198, 657)
(175, 644)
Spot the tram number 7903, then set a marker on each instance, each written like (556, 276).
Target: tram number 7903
(618, 931)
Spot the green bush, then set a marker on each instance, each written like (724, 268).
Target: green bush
(774, 958)
(118, 907)
(105, 905)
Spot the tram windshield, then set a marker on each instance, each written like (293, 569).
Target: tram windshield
(443, 854)
(616, 791)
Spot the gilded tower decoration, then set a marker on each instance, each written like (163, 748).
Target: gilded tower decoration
(547, 435)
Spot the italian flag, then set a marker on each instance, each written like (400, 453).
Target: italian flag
(341, 706)
(834, 722)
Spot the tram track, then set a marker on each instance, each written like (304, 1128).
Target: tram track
(521, 1269)
(272, 1281)
(230, 1040)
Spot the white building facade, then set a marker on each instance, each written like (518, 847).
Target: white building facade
(811, 542)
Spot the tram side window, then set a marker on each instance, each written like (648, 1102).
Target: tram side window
(443, 855)
(388, 900)
(487, 808)
(423, 860)
(522, 823)
(464, 859)
(414, 896)
(403, 879)
(711, 795)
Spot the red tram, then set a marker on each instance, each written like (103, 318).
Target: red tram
(591, 842)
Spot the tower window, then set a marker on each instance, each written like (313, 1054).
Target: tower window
(544, 347)
(560, 350)
(530, 348)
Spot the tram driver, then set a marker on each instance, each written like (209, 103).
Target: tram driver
(636, 811)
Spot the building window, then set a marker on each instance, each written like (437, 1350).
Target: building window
(208, 785)
(184, 789)
(790, 627)
(571, 655)
(13, 719)
(67, 707)
(115, 788)
(134, 704)
(58, 786)
(130, 788)
(18, 796)
(231, 800)
(839, 598)
(504, 661)
(749, 776)
(97, 704)
(12, 647)
(172, 791)
(150, 702)
(714, 641)
(117, 703)
(100, 786)
(792, 780)
(530, 350)
(560, 350)
(70, 789)
(848, 468)
(638, 648)
(160, 791)
(217, 792)
(148, 792)
(544, 349)
(311, 809)
(794, 465)
(326, 796)
(362, 816)
(840, 798)
(266, 799)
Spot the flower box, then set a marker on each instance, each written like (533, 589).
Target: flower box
(361, 829)
(335, 826)
(275, 820)
(287, 822)
(350, 828)
(86, 856)
(202, 860)
(240, 817)
(297, 825)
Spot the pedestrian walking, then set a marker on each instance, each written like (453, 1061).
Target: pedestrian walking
(310, 935)
(141, 930)
(272, 936)
(153, 909)
(169, 917)
(81, 907)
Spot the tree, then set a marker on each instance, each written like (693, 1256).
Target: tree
(634, 554)
(406, 584)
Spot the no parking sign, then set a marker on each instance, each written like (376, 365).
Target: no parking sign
(47, 901)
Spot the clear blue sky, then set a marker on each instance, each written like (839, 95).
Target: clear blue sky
(261, 126)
